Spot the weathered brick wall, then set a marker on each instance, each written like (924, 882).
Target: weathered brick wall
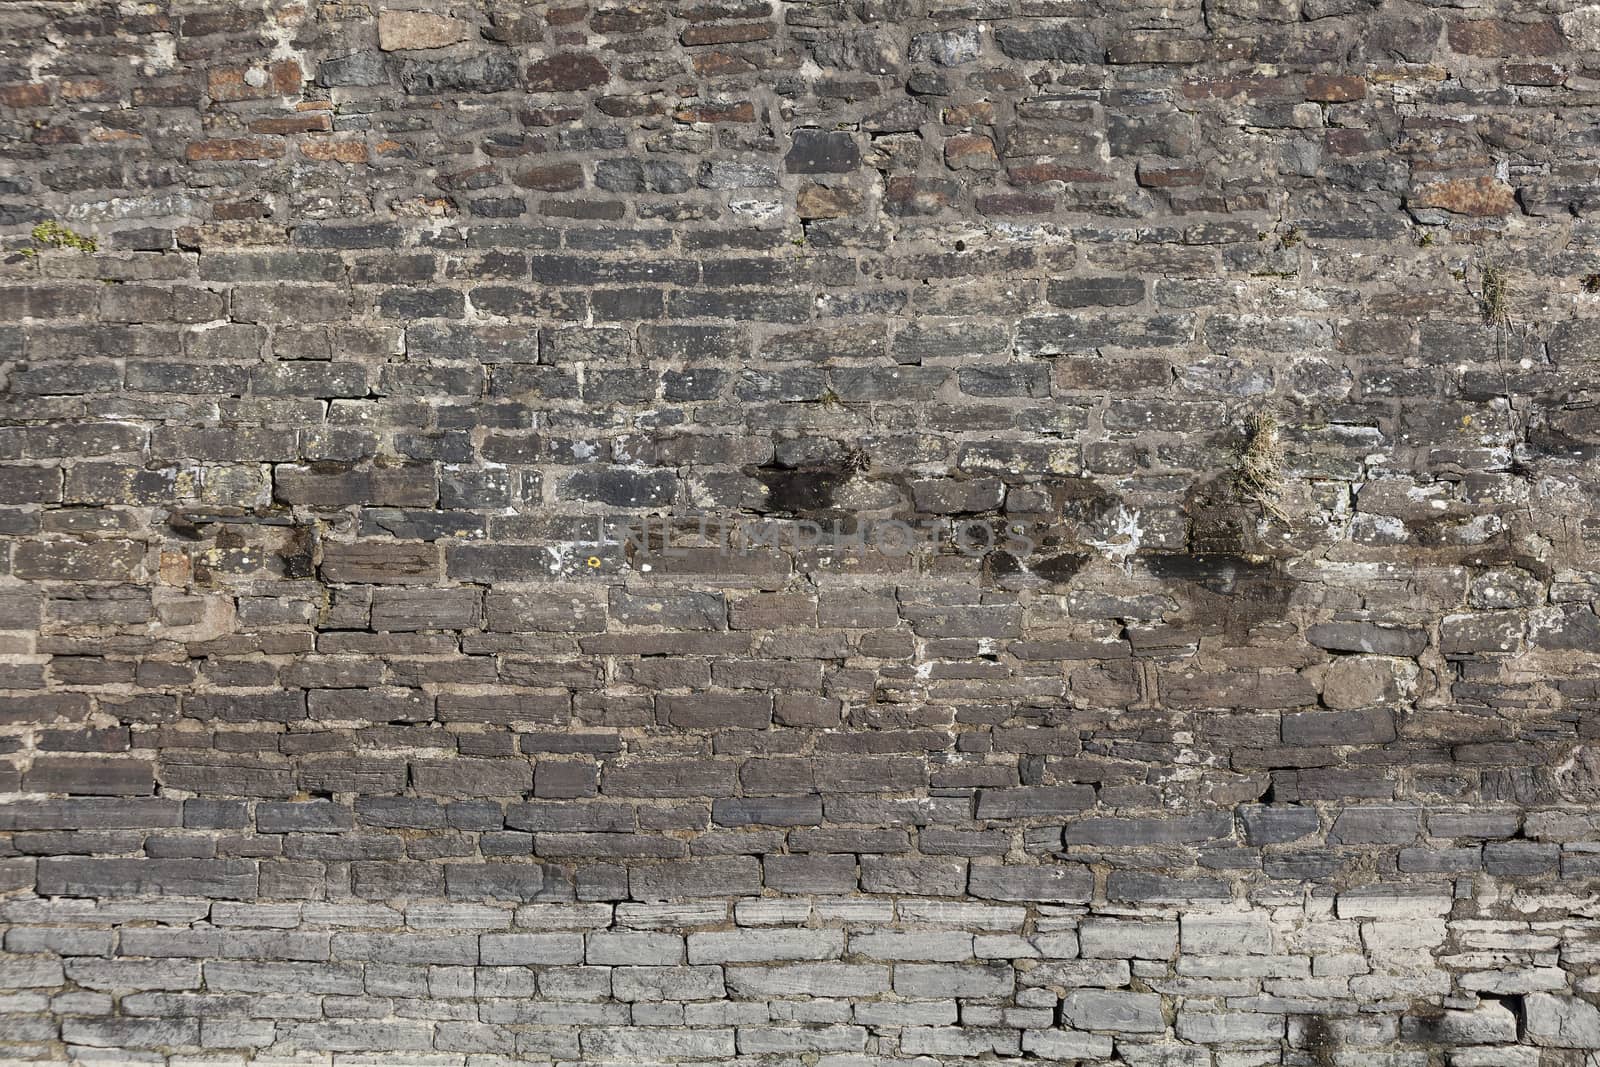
(348, 719)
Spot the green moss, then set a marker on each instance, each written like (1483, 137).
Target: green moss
(51, 234)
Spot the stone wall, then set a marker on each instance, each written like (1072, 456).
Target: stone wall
(1124, 552)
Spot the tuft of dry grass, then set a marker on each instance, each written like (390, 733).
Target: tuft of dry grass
(1494, 294)
(1258, 476)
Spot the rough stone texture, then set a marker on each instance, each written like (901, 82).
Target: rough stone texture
(348, 717)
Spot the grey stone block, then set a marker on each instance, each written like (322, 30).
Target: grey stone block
(651, 984)
(1150, 939)
(756, 946)
(1056, 884)
(529, 949)
(1119, 1010)
(933, 980)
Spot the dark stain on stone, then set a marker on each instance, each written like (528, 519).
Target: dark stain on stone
(1080, 499)
(299, 554)
(184, 526)
(1000, 565)
(1060, 568)
(1217, 522)
(1320, 1042)
(1228, 592)
(801, 490)
(1219, 572)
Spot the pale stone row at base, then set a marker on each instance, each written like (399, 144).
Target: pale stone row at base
(1398, 976)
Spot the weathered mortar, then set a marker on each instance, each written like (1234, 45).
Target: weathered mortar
(333, 733)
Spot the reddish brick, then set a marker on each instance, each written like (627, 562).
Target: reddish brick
(50, 135)
(335, 151)
(634, 18)
(1480, 197)
(568, 72)
(1170, 177)
(712, 64)
(233, 149)
(1493, 37)
(304, 122)
(909, 195)
(970, 151)
(283, 78)
(821, 202)
(978, 113)
(87, 90)
(1546, 74)
(220, 19)
(727, 33)
(1256, 88)
(567, 16)
(1335, 89)
(1342, 142)
(1084, 372)
(25, 94)
(552, 178)
(602, 210)
(547, 116)
(740, 112)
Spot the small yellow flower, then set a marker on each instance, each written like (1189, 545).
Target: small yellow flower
(593, 561)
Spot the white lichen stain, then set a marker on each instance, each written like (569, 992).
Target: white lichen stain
(1122, 536)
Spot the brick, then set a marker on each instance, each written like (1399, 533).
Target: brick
(807, 875)
(380, 563)
(232, 150)
(424, 609)
(1124, 1012)
(87, 561)
(1478, 197)
(768, 811)
(1335, 89)
(1181, 829)
(1046, 41)
(72, 876)
(821, 152)
(407, 30)
(566, 72)
(90, 777)
(634, 948)
(764, 946)
(506, 881)
(528, 949)
(306, 817)
(1493, 37)
(1062, 884)
(677, 880)
(751, 711)
(810, 979)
